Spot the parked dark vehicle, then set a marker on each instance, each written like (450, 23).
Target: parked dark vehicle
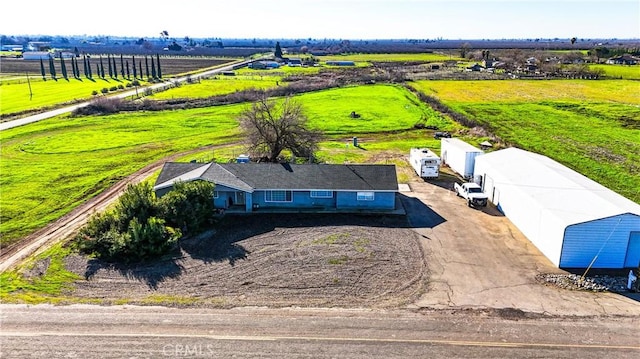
(439, 135)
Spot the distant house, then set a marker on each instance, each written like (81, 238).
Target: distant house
(249, 187)
(625, 59)
(487, 63)
(340, 63)
(475, 67)
(264, 65)
(295, 62)
(36, 55)
(38, 46)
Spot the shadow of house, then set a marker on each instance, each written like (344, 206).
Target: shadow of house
(419, 215)
(215, 246)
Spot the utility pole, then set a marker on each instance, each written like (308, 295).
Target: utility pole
(29, 82)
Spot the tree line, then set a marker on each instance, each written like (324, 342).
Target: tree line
(115, 66)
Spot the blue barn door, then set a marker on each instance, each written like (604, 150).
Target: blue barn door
(633, 251)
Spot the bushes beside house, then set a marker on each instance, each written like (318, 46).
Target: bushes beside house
(142, 227)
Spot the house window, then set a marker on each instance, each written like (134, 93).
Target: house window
(365, 196)
(277, 196)
(216, 194)
(321, 194)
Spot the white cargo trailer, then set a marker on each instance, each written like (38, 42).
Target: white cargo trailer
(459, 156)
(424, 162)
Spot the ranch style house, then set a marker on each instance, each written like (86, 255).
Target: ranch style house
(248, 187)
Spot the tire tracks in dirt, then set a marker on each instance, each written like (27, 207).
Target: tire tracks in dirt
(68, 224)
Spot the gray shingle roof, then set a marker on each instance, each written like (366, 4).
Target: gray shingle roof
(252, 176)
(171, 170)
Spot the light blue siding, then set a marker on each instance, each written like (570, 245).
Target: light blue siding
(382, 200)
(633, 251)
(224, 193)
(302, 200)
(605, 239)
(299, 200)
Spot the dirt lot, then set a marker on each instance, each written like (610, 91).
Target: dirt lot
(276, 260)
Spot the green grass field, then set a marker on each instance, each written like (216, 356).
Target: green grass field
(50, 167)
(419, 57)
(243, 80)
(619, 71)
(381, 107)
(590, 126)
(220, 86)
(15, 95)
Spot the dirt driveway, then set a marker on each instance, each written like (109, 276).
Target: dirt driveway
(479, 259)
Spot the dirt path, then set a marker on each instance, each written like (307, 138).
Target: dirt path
(71, 222)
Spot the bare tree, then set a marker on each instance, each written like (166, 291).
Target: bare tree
(272, 127)
(464, 49)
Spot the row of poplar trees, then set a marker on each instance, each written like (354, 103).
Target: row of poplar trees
(127, 70)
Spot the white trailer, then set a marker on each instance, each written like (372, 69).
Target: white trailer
(459, 156)
(424, 162)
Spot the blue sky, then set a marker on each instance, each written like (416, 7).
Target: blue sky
(346, 19)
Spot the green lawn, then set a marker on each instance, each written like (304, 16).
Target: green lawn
(590, 126)
(50, 167)
(15, 95)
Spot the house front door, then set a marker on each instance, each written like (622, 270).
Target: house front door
(239, 198)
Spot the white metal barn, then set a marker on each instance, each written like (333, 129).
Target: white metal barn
(574, 221)
(424, 162)
(459, 155)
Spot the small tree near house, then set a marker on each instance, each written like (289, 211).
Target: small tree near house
(272, 127)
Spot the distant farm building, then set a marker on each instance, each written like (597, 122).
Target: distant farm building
(64, 55)
(38, 46)
(36, 55)
(574, 221)
(264, 65)
(475, 67)
(340, 63)
(294, 62)
(11, 47)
